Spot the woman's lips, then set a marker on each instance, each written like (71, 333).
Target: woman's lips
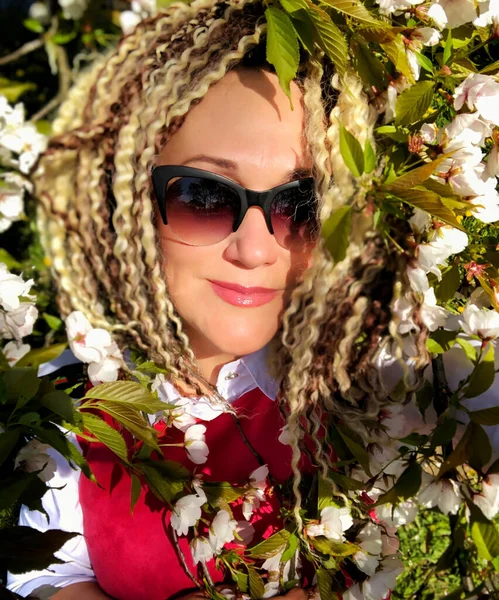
(240, 295)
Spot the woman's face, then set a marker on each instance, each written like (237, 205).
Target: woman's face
(243, 129)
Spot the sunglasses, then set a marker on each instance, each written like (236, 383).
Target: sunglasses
(203, 208)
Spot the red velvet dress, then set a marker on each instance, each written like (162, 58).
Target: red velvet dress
(132, 555)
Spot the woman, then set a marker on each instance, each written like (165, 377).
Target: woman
(212, 290)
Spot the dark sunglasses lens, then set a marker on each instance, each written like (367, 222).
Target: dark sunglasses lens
(293, 216)
(200, 211)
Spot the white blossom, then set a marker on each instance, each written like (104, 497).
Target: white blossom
(73, 9)
(433, 316)
(369, 539)
(480, 93)
(195, 444)
(222, 530)
(452, 13)
(489, 13)
(14, 351)
(486, 206)
(256, 493)
(94, 346)
(334, 522)
(39, 11)
(12, 287)
(19, 322)
(395, 516)
(488, 500)
(388, 7)
(129, 19)
(12, 188)
(201, 550)
(33, 457)
(492, 169)
(444, 242)
(186, 512)
(380, 584)
(482, 322)
(444, 493)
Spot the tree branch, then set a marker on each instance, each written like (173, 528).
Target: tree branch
(22, 51)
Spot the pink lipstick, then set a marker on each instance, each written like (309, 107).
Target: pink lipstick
(241, 295)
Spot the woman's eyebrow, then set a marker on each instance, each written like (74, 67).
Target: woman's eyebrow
(225, 163)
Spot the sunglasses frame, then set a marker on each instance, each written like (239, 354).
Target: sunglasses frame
(162, 174)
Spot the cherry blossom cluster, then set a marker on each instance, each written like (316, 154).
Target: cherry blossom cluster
(18, 313)
(20, 146)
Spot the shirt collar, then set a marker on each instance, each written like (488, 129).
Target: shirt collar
(235, 378)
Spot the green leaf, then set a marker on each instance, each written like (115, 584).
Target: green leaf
(490, 67)
(256, 585)
(444, 432)
(24, 549)
(415, 176)
(407, 485)
(14, 488)
(8, 441)
(132, 420)
(366, 64)
(473, 448)
(486, 538)
(413, 102)
(271, 546)
(424, 62)
(431, 203)
(330, 39)
(222, 491)
(111, 438)
(241, 580)
(394, 133)
(353, 9)
(448, 286)
(164, 489)
(135, 492)
(291, 548)
(304, 31)
(61, 38)
(483, 375)
(57, 439)
(351, 152)
(22, 384)
(59, 403)
(325, 584)
(395, 50)
(282, 47)
(13, 90)
(468, 348)
(441, 341)
(128, 393)
(355, 447)
(486, 416)
(334, 548)
(53, 322)
(325, 494)
(336, 232)
(447, 48)
(369, 157)
(346, 483)
(33, 25)
(35, 358)
(9, 261)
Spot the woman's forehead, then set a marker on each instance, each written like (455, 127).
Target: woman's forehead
(245, 118)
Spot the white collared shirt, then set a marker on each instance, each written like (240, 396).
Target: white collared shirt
(62, 505)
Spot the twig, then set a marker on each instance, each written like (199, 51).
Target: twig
(64, 85)
(207, 574)
(22, 51)
(178, 550)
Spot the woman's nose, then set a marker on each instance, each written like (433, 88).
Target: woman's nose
(252, 245)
